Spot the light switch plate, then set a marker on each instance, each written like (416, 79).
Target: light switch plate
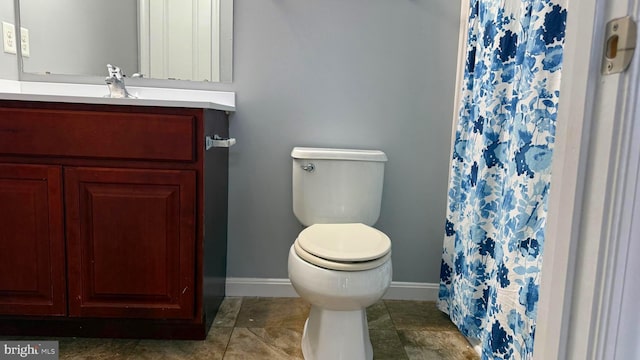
(9, 38)
(24, 41)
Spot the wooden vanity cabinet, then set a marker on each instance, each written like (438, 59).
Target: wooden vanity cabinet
(102, 220)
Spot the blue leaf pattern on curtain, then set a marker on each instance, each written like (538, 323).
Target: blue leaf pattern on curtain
(500, 174)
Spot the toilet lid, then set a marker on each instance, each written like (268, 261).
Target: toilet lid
(344, 242)
(340, 266)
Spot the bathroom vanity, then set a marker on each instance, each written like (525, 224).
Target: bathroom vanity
(111, 217)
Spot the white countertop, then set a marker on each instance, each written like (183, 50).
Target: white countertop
(94, 94)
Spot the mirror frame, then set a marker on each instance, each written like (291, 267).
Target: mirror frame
(226, 76)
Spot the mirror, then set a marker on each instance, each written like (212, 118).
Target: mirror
(158, 39)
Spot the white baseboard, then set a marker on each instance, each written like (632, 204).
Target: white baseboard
(412, 291)
(263, 287)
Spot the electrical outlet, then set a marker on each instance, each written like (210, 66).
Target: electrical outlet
(24, 41)
(9, 38)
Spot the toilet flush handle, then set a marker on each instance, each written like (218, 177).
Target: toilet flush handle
(308, 167)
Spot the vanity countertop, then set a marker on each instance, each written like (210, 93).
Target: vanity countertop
(94, 94)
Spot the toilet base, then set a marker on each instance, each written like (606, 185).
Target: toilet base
(333, 335)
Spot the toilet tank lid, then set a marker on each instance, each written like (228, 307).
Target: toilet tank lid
(338, 154)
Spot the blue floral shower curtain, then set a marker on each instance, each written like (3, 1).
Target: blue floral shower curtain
(500, 174)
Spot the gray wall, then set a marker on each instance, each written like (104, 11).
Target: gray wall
(91, 33)
(8, 62)
(373, 74)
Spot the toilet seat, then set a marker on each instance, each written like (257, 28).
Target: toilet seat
(344, 247)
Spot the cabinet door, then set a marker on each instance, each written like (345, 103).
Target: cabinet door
(130, 242)
(32, 275)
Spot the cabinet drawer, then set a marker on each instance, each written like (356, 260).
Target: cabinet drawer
(116, 135)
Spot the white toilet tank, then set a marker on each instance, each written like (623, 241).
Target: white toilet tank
(337, 185)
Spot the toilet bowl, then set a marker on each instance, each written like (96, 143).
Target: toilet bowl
(347, 271)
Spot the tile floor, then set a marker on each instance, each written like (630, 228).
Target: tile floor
(271, 328)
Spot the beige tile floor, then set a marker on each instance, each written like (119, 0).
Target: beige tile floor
(271, 328)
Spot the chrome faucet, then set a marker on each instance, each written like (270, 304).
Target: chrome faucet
(115, 83)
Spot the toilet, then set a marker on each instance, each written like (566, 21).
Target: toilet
(339, 263)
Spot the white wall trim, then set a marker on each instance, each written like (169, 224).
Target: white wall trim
(574, 295)
(262, 287)
(412, 291)
(265, 287)
(577, 91)
(612, 339)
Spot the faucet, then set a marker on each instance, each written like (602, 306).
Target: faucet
(115, 83)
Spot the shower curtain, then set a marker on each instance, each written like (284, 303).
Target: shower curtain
(500, 173)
